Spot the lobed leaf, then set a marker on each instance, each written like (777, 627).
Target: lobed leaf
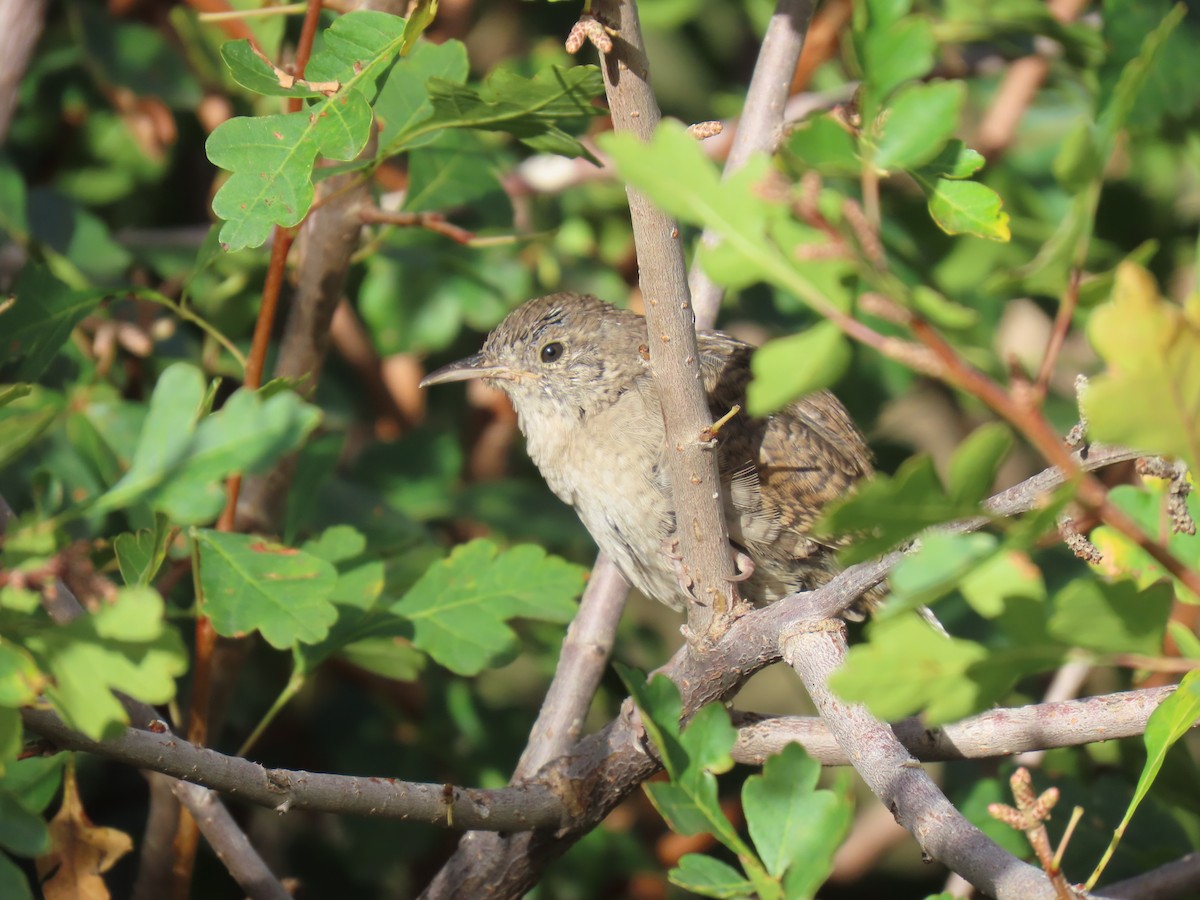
(460, 607)
(795, 828)
(126, 646)
(271, 157)
(180, 460)
(1151, 348)
(250, 584)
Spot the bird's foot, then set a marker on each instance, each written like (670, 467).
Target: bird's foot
(745, 566)
(670, 548)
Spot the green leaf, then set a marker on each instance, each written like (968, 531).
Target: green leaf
(892, 55)
(935, 568)
(1173, 718)
(21, 832)
(421, 17)
(1079, 160)
(906, 667)
(12, 199)
(1185, 639)
(1152, 350)
(824, 145)
(955, 161)
(1147, 506)
(13, 883)
(141, 554)
(994, 584)
(126, 646)
(530, 109)
(271, 157)
(689, 802)
(455, 171)
(12, 737)
(250, 584)
(393, 658)
(39, 320)
(460, 606)
(886, 510)
(795, 828)
(674, 172)
(941, 311)
(20, 680)
(918, 123)
(1134, 78)
(1112, 618)
(11, 392)
(976, 462)
(253, 72)
(23, 422)
(403, 102)
(968, 207)
(178, 464)
(710, 878)
(36, 780)
(788, 368)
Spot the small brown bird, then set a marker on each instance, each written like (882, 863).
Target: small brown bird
(578, 374)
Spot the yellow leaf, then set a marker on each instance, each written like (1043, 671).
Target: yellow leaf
(1148, 397)
(79, 851)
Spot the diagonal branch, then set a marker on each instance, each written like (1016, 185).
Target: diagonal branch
(816, 648)
(674, 358)
(760, 126)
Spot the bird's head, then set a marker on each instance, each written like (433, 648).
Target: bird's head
(559, 355)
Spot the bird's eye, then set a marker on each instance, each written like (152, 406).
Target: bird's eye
(552, 352)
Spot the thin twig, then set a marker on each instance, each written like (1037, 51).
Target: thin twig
(430, 221)
(1058, 336)
(760, 126)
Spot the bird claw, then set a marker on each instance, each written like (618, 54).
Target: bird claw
(745, 567)
(670, 548)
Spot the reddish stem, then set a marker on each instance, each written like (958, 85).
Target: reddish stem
(1062, 324)
(186, 840)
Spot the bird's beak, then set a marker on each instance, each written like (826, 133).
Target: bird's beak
(477, 366)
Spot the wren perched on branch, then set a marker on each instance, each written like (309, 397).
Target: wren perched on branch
(578, 373)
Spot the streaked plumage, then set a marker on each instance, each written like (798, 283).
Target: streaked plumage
(592, 420)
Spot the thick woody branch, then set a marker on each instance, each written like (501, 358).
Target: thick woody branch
(761, 123)
(996, 733)
(603, 768)
(1180, 878)
(21, 24)
(585, 652)
(674, 359)
(816, 651)
(519, 808)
